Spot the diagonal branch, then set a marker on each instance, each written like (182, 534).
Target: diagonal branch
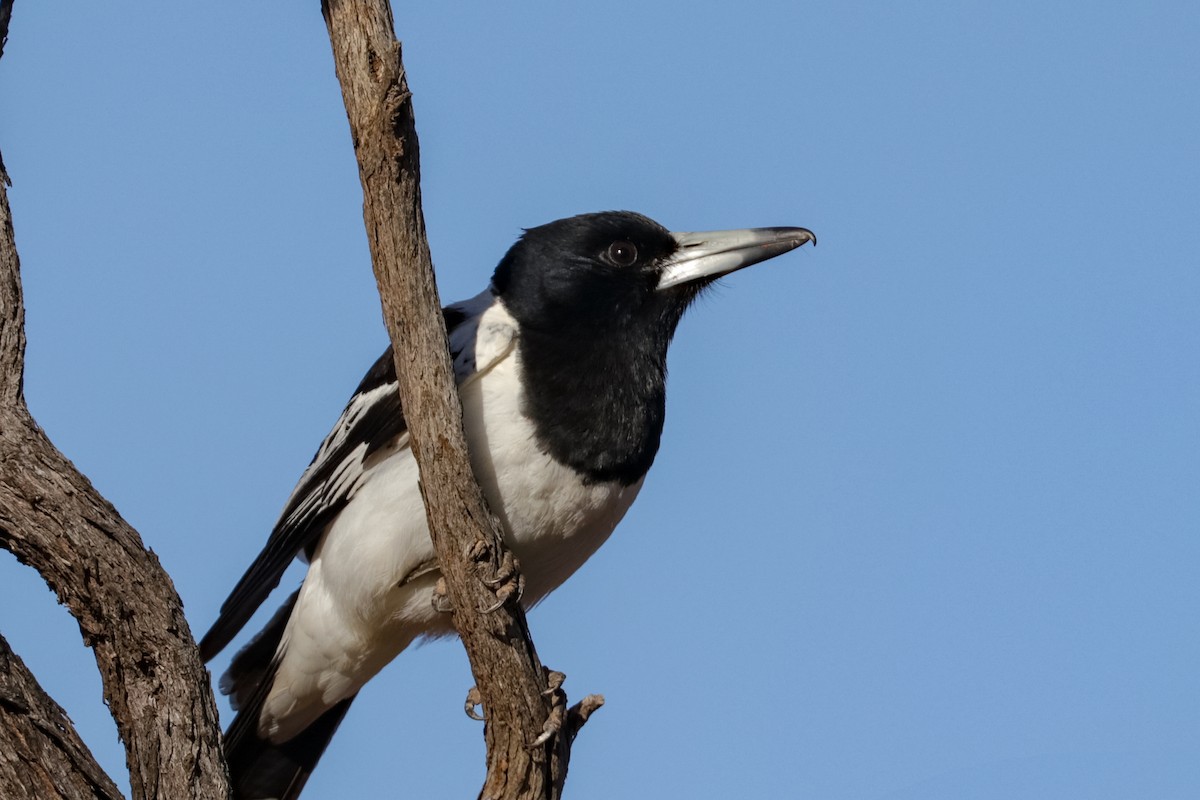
(527, 757)
(44, 758)
(157, 690)
(6, 7)
(12, 309)
(52, 519)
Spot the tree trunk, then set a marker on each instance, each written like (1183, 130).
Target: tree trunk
(52, 519)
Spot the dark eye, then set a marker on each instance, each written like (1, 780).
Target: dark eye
(622, 254)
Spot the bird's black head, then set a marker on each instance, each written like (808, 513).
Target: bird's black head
(593, 272)
(597, 298)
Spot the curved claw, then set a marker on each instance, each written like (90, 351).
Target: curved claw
(499, 604)
(554, 681)
(554, 723)
(558, 707)
(510, 590)
(473, 701)
(441, 598)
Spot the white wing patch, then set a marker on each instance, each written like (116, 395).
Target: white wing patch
(342, 483)
(483, 339)
(355, 610)
(477, 343)
(355, 410)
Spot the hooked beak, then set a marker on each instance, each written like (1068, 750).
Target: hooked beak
(711, 254)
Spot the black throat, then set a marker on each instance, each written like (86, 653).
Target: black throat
(593, 336)
(597, 403)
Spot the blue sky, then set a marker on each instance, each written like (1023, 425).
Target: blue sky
(924, 523)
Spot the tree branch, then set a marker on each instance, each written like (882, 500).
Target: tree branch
(44, 758)
(52, 519)
(6, 7)
(12, 309)
(527, 757)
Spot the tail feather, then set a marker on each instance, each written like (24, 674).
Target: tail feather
(254, 665)
(258, 768)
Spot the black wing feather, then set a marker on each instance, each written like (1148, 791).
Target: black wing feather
(321, 494)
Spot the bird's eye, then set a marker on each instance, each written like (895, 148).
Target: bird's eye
(622, 253)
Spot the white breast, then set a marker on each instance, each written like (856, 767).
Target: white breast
(356, 611)
(554, 520)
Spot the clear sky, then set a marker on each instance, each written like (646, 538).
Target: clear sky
(925, 519)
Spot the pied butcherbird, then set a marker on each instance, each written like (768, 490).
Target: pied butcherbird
(561, 365)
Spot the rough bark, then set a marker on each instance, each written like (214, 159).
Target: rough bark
(528, 731)
(52, 519)
(156, 688)
(43, 756)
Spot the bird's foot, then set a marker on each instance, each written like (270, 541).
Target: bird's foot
(563, 721)
(474, 701)
(507, 582)
(554, 681)
(558, 707)
(441, 597)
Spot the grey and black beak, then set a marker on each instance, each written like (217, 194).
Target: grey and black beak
(711, 254)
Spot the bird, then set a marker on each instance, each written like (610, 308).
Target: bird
(561, 366)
